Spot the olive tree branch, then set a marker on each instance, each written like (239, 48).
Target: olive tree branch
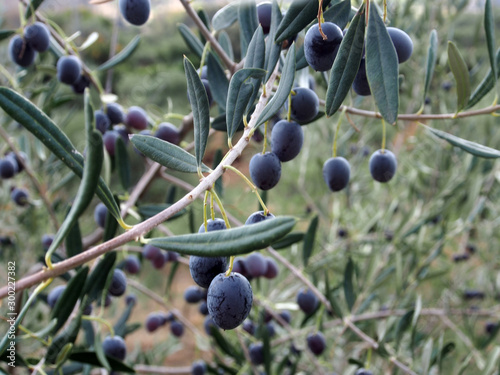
(418, 117)
(140, 229)
(208, 36)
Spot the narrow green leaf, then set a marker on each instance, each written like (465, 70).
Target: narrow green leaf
(255, 57)
(65, 304)
(331, 297)
(201, 110)
(219, 84)
(73, 242)
(284, 88)
(382, 68)
(63, 355)
(288, 240)
(346, 64)
(41, 126)
(110, 227)
(403, 324)
(166, 153)
(4, 34)
(99, 351)
(273, 49)
(489, 28)
(121, 323)
(247, 17)
(91, 359)
(461, 73)
(239, 94)
(90, 178)
(67, 336)
(122, 163)
(473, 148)
(171, 276)
(234, 241)
(225, 16)
(300, 14)
(121, 56)
(204, 18)
(149, 210)
(426, 356)
(350, 294)
(228, 348)
(219, 123)
(97, 279)
(431, 62)
(309, 240)
(33, 6)
(339, 14)
(485, 86)
(191, 40)
(225, 42)
(492, 362)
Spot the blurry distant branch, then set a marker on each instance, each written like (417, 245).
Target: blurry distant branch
(41, 190)
(208, 36)
(419, 117)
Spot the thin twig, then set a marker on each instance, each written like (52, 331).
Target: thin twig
(208, 36)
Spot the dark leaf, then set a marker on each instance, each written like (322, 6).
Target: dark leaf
(67, 301)
(300, 14)
(288, 240)
(339, 14)
(225, 16)
(473, 148)
(247, 17)
(240, 92)
(346, 64)
(489, 28)
(219, 84)
(166, 153)
(309, 240)
(191, 40)
(486, 85)
(461, 73)
(382, 67)
(350, 294)
(122, 163)
(91, 359)
(284, 88)
(234, 241)
(201, 110)
(431, 61)
(97, 279)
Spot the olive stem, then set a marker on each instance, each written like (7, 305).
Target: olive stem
(383, 135)
(320, 20)
(205, 218)
(221, 207)
(252, 186)
(265, 138)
